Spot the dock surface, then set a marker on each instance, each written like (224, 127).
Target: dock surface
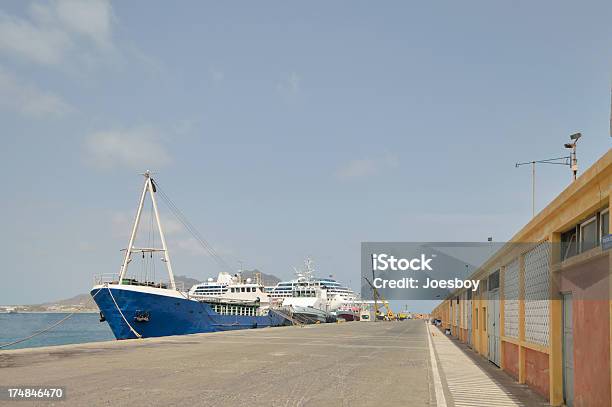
(345, 364)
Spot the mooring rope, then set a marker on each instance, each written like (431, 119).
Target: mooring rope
(46, 329)
(123, 316)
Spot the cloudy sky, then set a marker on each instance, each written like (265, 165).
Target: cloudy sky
(284, 130)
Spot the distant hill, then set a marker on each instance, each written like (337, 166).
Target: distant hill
(83, 302)
(268, 279)
(188, 282)
(77, 300)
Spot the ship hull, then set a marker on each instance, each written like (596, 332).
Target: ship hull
(309, 315)
(347, 315)
(153, 312)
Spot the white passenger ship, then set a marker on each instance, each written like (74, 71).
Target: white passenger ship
(232, 289)
(319, 298)
(337, 294)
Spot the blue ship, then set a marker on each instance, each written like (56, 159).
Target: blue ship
(141, 312)
(145, 309)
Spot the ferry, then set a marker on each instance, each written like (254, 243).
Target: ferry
(310, 299)
(233, 289)
(307, 305)
(331, 292)
(141, 308)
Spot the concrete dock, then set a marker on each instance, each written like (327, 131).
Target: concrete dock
(347, 364)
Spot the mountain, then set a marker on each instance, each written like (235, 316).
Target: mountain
(187, 282)
(84, 302)
(268, 279)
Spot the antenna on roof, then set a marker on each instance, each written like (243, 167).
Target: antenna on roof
(569, 160)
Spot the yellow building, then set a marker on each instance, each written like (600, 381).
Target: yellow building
(542, 312)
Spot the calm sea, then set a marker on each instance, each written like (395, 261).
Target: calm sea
(77, 329)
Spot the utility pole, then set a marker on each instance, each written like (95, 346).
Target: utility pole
(569, 160)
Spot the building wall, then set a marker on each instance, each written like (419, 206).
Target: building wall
(511, 359)
(589, 284)
(536, 357)
(536, 371)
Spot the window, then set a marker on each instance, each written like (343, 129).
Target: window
(569, 244)
(604, 220)
(494, 281)
(588, 234)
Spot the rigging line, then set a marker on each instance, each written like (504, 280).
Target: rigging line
(47, 329)
(211, 251)
(183, 219)
(123, 316)
(191, 229)
(177, 212)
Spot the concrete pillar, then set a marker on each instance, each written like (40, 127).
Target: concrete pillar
(555, 355)
(521, 349)
(502, 315)
(610, 281)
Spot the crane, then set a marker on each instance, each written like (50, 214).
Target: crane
(378, 297)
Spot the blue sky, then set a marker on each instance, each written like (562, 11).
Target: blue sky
(285, 130)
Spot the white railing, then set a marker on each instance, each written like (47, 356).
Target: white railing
(113, 278)
(100, 279)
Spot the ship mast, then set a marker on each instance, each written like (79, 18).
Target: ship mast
(149, 186)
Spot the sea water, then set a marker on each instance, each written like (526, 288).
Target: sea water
(81, 327)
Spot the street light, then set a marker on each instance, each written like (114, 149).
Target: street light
(573, 160)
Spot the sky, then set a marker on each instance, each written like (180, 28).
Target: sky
(284, 130)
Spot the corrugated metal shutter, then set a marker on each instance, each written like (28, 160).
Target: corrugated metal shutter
(511, 297)
(537, 288)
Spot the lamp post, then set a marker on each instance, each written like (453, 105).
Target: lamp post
(572, 146)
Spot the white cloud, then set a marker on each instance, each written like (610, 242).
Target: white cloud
(43, 45)
(53, 31)
(290, 84)
(366, 167)
(138, 148)
(28, 100)
(91, 18)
